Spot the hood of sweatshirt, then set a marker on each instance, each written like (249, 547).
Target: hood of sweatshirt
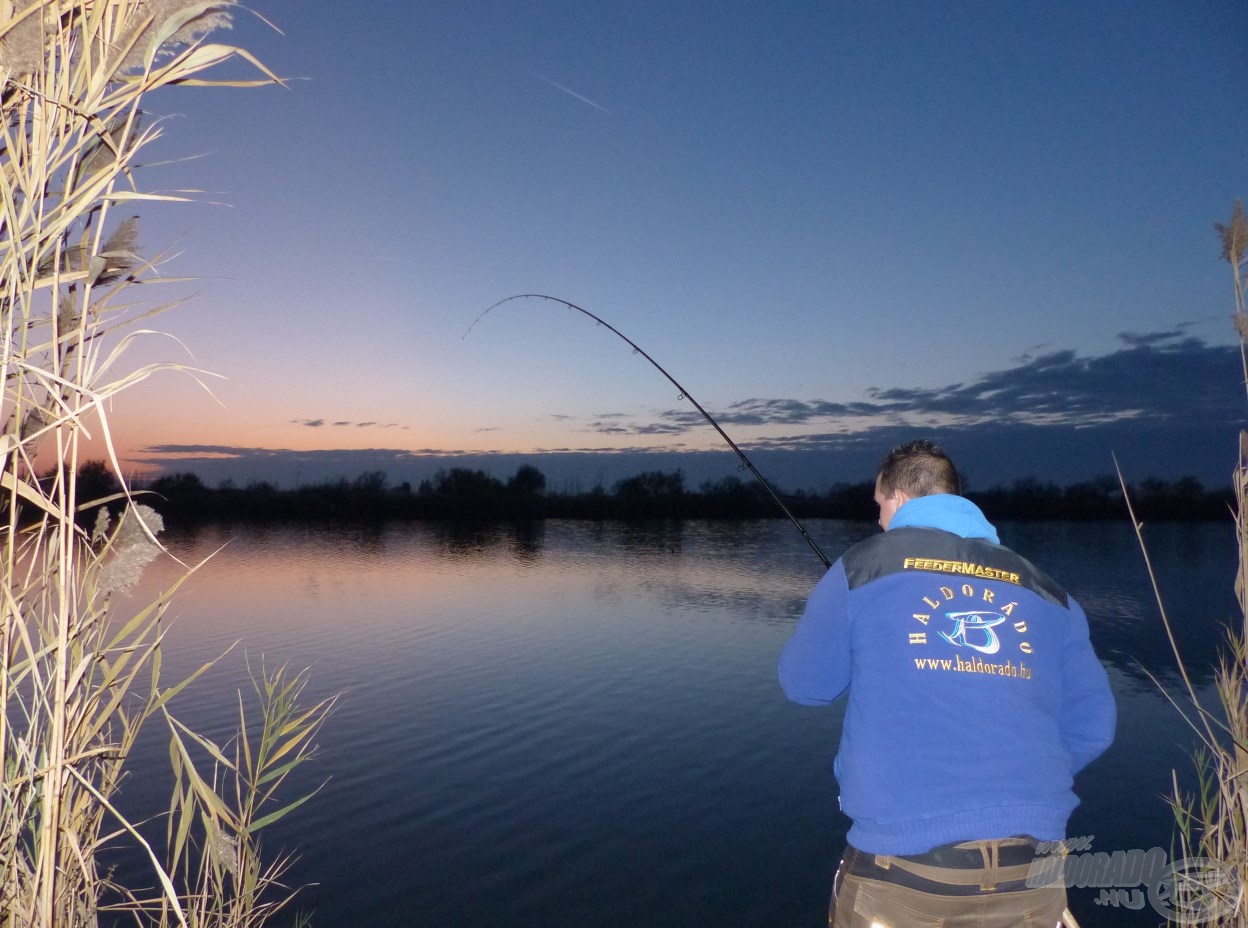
(946, 512)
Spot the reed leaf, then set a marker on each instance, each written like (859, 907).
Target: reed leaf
(1212, 822)
(80, 670)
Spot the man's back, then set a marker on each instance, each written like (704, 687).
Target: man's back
(974, 697)
(975, 694)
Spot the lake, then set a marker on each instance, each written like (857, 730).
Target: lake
(575, 723)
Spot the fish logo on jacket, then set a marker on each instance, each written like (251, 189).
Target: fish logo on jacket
(979, 626)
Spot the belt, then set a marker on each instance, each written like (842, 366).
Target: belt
(1011, 852)
(953, 869)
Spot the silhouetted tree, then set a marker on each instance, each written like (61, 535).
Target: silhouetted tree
(732, 497)
(729, 487)
(652, 485)
(372, 481)
(528, 481)
(183, 496)
(460, 482)
(463, 493)
(96, 481)
(178, 485)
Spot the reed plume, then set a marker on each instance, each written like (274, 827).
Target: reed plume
(79, 664)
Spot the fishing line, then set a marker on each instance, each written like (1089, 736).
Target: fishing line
(684, 395)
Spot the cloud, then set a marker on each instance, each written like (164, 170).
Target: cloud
(1148, 339)
(343, 423)
(204, 451)
(1160, 376)
(658, 428)
(1163, 404)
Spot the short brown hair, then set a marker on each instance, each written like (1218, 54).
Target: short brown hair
(917, 468)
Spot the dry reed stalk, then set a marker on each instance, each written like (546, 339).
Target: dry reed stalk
(1213, 823)
(79, 670)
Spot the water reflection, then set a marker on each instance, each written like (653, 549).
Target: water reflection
(571, 722)
(763, 568)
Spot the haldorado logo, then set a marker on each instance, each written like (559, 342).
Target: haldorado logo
(973, 627)
(975, 622)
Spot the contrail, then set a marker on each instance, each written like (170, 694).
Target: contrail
(571, 93)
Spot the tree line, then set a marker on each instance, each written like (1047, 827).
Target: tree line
(458, 492)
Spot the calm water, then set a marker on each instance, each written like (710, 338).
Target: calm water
(579, 723)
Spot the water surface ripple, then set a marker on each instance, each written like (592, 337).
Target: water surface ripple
(578, 723)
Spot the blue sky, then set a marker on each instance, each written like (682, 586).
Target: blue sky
(835, 223)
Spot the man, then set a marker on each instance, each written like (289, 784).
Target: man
(974, 696)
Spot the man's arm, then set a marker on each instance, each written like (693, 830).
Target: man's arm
(1089, 715)
(815, 664)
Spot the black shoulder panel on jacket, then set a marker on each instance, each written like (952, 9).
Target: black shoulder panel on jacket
(934, 551)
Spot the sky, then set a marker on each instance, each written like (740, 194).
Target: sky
(837, 224)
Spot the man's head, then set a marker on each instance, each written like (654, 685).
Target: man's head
(917, 468)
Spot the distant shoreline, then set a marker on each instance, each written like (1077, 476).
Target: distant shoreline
(460, 493)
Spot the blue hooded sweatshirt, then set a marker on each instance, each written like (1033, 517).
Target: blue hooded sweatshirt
(974, 693)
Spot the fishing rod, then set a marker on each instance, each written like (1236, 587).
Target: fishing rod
(684, 395)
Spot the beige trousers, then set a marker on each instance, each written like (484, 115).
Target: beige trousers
(876, 891)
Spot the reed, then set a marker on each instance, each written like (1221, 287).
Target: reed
(80, 666)
(1212, 822)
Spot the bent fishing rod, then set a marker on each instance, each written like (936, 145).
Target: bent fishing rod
(684, 395)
